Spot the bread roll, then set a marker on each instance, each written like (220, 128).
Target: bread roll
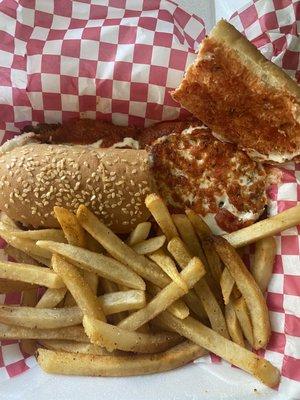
(113, 183)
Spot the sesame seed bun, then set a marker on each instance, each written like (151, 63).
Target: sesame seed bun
(112, 183)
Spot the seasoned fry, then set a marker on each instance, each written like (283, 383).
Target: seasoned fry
(191, 274)
(262, 266)
(229, 351)
(30, 274)
(267, 227)
(112, 337)
(249, 289)
(78, 287)
(188, 235)
(19, 256)
(233, 325)
(195, 305)
(73, 231)
(150, 245)
(242, 313)
(40, 318)
(74, 347)
(29, 298)
(213, 260)
(178, 308)
(120, 250)
(75, 333)
(140, 364)
(26, 245)
(200, 226)
(102, 265)
(139, 234)
(51, 298)
(110, 287)
(212, 308)
(41, 234)
(7, 286)
(168, 266)
(161, 215)
(227, 283)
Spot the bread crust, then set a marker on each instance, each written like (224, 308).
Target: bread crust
(242, 97)
(111, 182)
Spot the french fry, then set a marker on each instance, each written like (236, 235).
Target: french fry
(51, 298)
(191, 274)
(267, 227)
(120, 250)
(195, 305)
(149, 246)
(200, 226)
(40, 318)
(110, 287)
(168, 266)
(104, 266)
(262, 266)
(242, 313)
(161, 215)
(113, 303)
(74, 333)
(74, 347)
(29, 298)
(139, 234)
(227, 283)
(212, 308)
(140, 364)
(249, 289)
(233, 325)
(78, 287)
(7, 223)
(178, 308)
(188, 235)
(7, 286)
(41, 234)
(114, 338)
(19, 256)
(73, 232)
(213, 260)
(26, 245)
(229, 351)
(30, 274)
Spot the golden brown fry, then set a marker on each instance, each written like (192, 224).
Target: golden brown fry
(139, 234)
(188, 235)
(102, 265)
(110, 287)
(200, 226)
(75, 333)
(30, 274)
(168, 266)
(242, 313)
(19, 256)
(213, 260)
(229, 351)
(41, 234)
(233, 325)
(7, 286)
(117, 302)
(262, 266)
(26, 245)
(212, 308)
(29, 298)
(140, 364)
(191, 274)
(249, 289)
(120, 250)
(73, 231)
(78, 287)
(51, 298)
(227, 283)
(74, 347)
(112, 337)
(267, 227)
(161, 215)
(149, 246)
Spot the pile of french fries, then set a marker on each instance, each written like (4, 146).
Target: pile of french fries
(148, 303)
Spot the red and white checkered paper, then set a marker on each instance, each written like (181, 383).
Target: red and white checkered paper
(118, 61)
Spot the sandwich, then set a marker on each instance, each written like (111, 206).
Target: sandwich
(244, 98)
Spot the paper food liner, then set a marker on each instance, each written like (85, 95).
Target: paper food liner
(118, 62)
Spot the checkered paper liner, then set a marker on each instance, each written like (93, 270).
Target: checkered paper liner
(118, 61)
